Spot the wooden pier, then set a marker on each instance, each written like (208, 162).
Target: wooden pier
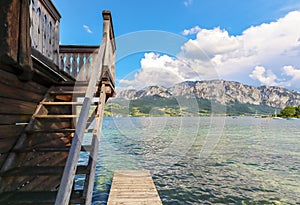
(133, 187)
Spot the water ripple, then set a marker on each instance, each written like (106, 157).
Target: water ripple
(255, 161)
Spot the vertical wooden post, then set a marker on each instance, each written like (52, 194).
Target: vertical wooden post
(108, 27)
(15, 45)
(24, 57)
(9, 32)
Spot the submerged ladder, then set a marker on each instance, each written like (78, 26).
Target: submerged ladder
(43, 165)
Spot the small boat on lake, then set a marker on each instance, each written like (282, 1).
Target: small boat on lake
(277, 118)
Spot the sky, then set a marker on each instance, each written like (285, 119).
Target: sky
(164, 42)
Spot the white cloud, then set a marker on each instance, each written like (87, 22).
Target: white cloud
(191, 31)
(294, 74)
(188, 2)
(212, 42)
(87, 29)
(291, 71)
(291, 76)
(156, 70)
(272, 45)
(265, 77)
(214, 53)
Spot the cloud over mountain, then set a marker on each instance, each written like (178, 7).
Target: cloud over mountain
(214, 53)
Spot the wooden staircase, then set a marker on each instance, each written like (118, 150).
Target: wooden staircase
(34, 169)
(43, 165)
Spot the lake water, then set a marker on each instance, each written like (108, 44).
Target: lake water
(205, 160)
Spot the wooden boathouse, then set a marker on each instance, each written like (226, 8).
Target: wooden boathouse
(50, 95)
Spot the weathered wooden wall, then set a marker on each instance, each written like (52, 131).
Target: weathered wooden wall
(18, 100)
(27, 69)
(15, 37)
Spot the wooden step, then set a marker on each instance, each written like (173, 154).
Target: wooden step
(56, 116)
(61, 103)
(70, 91)
(40, 170)
(51, 131)
(37, 197)
(67, 92)
(69, 87)
(56, 131)
(65, 103)
(70, 83)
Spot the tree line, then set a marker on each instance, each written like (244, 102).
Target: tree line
(290, 111)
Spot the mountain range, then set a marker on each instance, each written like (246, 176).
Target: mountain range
(237, 97)
(221, 91)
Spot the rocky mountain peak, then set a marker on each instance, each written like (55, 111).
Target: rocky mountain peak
(221, 91)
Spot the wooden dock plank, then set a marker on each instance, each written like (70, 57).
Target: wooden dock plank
(133, 187)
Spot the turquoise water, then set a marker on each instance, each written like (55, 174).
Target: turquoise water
(205, 160)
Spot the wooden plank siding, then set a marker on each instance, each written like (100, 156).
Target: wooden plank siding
(12, 106)
(11, 79)
(18, 101)
(28, 163)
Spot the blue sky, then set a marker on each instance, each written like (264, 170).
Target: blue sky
(253, 42)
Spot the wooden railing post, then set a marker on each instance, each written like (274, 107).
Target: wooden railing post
(15, 52)
(108, 27)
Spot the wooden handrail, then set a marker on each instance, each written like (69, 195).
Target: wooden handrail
(77, 60)
(78, 49)
(108, 27)
(88, 191)
(107, 17)
(102, 60)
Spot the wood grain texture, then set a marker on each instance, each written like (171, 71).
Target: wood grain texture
(10, 79)
(133, 187)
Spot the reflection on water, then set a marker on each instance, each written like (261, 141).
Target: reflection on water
(252, 160)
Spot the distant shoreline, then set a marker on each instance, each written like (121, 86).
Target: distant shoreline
(215, 115)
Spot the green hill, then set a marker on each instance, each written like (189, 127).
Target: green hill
(181, 106)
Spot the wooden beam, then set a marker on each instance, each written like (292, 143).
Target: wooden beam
(51, 9)
(56, 116)
(78, 49)
(15, 37)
